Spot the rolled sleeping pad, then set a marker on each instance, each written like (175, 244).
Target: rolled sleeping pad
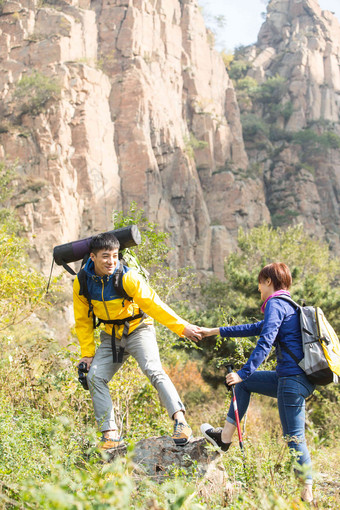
(77, 250)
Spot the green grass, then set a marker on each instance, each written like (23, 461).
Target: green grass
(49, 459)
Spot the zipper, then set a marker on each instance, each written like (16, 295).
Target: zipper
(317, 323)
(106, 310)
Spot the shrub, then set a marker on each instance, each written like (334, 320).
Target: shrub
(21, 287)
(307, 138)
(271, 91)
(277, 134)
(238, 69)
(247, 84)
(284, 217)
(253, 126)
(330, 140)
(192, 144)
(34, 91)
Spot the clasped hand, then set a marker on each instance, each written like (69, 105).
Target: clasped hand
(196, 333)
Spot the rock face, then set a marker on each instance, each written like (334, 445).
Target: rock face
(301, 43)
(106, 102)
(146, 112)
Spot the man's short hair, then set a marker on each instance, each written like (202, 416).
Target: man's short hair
(105, 241)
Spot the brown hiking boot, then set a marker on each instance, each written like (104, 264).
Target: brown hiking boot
(108, 443)
(182, 433)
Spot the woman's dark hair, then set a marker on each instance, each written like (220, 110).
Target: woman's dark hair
(105, 241)
(279, 274)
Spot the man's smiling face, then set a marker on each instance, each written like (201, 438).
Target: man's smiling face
(105, 262)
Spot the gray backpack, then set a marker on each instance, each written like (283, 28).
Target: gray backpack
(320, 343)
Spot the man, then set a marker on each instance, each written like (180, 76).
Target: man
(128, 330)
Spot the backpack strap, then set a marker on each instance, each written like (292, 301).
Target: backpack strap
(118, 281)
(281, 345)
(288, 351)
(84, 291)
(289, 299)
(68, 268)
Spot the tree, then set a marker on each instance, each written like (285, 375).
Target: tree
(315, 271)
(152, 253)
(316, 275)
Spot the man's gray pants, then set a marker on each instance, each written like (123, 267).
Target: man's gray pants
(142, 345)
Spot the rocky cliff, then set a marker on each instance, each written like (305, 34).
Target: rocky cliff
(141, 108)
(298, 149)
(106, 102)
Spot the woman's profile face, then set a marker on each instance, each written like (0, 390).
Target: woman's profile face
(266, 288)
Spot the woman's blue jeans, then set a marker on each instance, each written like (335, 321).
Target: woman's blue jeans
(291, 393)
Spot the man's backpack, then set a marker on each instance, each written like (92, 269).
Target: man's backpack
(320, 343)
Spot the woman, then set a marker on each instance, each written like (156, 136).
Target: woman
(288, 383)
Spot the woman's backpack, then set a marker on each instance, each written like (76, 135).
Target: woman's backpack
(320, 343)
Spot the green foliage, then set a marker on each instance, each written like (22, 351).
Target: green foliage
(316, 275)
(48, 454)
(271, 91)
(315, 271)
(268, 97)
(152, 254)
(266, 108)
(277, 134)
(227, 58)
(247, 84)
(283, 218)
(152, 250)
(253, 126)
(286, 110)
(49, 457)
(21, 287)
(7, 174)
(312, 141)
(34, 91)
(238, 69)
(192, 144)
(330, 140)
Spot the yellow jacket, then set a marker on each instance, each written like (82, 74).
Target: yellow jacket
(109, 305)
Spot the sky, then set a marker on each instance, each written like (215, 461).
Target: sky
(243, 19)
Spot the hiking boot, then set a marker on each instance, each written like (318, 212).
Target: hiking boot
(182, 433)
(108, 443)
(214, 436)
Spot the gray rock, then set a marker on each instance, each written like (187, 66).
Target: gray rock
(158, 456)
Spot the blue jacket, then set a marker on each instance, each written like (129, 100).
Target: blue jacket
(281, 322)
